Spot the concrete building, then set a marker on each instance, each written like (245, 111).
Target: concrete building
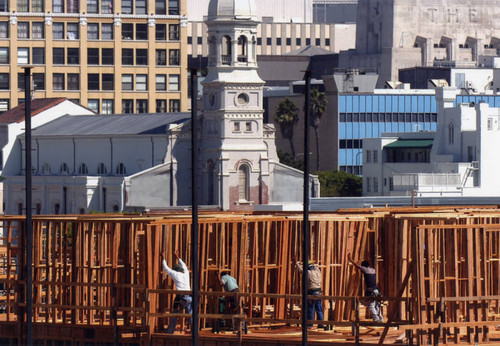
(112, 56)
(116, 163)
(396, 34)
(458, 159)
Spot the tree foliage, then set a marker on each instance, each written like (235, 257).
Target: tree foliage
(339, 184)
(287, 159)
(318, 107)
(287, 115)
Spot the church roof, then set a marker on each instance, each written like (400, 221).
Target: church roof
(16, 114)
(232, 9)
(105, 125)
(309, 51)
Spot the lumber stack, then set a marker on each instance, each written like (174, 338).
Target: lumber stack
(437, 267)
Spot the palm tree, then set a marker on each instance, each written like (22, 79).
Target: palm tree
(287, 115)
(318, 107)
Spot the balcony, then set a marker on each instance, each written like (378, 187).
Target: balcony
(427, 182)
(226, 60)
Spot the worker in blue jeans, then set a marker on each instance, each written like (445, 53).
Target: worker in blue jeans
(314, 289)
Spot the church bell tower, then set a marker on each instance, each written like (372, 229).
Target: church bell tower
(234, 151)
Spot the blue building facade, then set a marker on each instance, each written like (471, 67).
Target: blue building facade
(369, 115)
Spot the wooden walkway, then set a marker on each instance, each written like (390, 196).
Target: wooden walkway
(99, 276)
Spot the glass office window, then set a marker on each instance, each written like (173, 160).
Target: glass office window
(173, 57)
(93, 31)
(58, 6)
(142, 106)
(108, 57)
(73, 56)
(106, 31)
(127, 56)
(161, 82)
(127, 106)
(23, 56)
(173, 82)
(72, 31)
(39, 81)
(93, 105)
(23, 29)
(22, 6)
(140, 7)
(4, 30)
(58, 31)
(93, 56)
(161, 32)
(173, 7)
(161, 57)
(108, 107)
(106, 6)
(4, 55)
(173, 32)
(72, 6)
(127, 82)
(141, 82)
(4, 81)
(73, 81)
(108, 81)
(141, 31)
(58, 56)
(37, 30)
(4, 5)
(160, 7)
(141, 57)
(127, 6)
(92, 6)
(58, 81)
(174, 105)
(93, 81)
(127, 31)
(38, 55)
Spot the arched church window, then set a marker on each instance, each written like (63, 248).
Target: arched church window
(226, 50)
(243, 183)
(83, 169)
(102, 169)
(120, 169)
(242, 49)
(64, 169)
(46, 168)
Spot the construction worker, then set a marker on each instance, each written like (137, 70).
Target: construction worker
(180, 274)
(372, 290)
(313, 288)
(230, 285)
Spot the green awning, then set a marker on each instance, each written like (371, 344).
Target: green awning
(410, 143)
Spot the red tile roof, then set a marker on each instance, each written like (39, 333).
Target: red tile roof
(16, 115)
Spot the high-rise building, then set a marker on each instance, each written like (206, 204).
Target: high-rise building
(112, 56)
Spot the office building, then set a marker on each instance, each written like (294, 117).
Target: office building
(112, 56)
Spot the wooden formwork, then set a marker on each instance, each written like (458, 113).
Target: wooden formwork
(438, 269)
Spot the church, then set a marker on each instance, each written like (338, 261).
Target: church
(143, 162)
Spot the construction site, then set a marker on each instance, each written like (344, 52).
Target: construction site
(97, 279)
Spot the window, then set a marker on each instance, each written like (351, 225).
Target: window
(141, 31)
(4, 55)
(174, 106)
(106, 31)
(236, 126)
(4, 30)
(127, 6)
(243, 183)
(173, 57)
(23, 56)
(173, 32)
(37, 5)
(72, 31)
(20, 81)
(39, 81)
(288, 41)
(278, 41)
(141, 82)
(83, 169)
(92, 6)
(142, 106)
(327, 41)
(37, 31)
(72, 6)
(127, 56)
(161, 32)
(23, 29)
(38, 55)
(161, 82)
(173, 7)
(73, 56)
(140, 7)
(120, 169)
(46, 168)
(127, 106)
(93, 105)
(57, 6)
(58, 81)
(58, 56)
(93, 31)
(160, 7)
(127, 31)
(375, 156)
(4, 81)
(102, 169)
(58, 31)
(93, 81)
(106, 6)
(368, 156)
(108, 107)
(368, 186)
(22, 6)
(127, 82)
(141, 57)
(451, 134)
(248, 126)
(173, 82)
(375, 184)
(161, 106)
(108, 57)
(93, 56)
(161, 57)
(490, 124)
(108, 81)
(4, 5)
(73, 81)
(64, 169)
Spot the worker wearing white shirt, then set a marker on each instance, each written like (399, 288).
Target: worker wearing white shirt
(180, 274)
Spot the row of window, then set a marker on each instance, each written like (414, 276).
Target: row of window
(386, 117)
(84, 170)
(95, 56)
(95, 81)
(142, 106)
(95, 31)
(269, 41)
(170, 7)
